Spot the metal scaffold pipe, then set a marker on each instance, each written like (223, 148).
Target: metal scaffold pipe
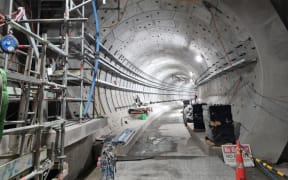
(52, 20)
(31, 40)
(41, 40)
(80, 5)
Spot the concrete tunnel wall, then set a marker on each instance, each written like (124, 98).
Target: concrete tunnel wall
(265, 113)
(162, 38)
(112, 102)
(257, 92)
(259, 100)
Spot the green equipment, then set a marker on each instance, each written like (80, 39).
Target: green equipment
(3, 100)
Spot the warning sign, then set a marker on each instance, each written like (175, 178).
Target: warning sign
(229, 153)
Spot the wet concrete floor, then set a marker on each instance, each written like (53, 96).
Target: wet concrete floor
(166, 136)
(175, 155)
(166, 151)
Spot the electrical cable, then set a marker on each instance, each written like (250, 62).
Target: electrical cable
(280, 103)
(272, 176)
(219, 37)
(97, 48)
(271, 113)
(266, 97)
(265, 166)
(119, 19)
(19, 14)
(236, 89)
(266, 109)
(99, 99)
(218, 34)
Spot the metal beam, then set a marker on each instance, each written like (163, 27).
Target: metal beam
(17, 77)
(79, 5)
(219, 72)
(41, 40)
(52, 20)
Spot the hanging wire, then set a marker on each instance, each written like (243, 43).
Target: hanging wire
(119, 19)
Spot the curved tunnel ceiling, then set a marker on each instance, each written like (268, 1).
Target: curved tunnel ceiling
(163, 37)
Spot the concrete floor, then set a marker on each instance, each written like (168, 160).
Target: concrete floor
(175, 155)
(166, 151)
(166, 136)
(201, 168)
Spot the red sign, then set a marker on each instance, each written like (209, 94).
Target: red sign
(229, 153)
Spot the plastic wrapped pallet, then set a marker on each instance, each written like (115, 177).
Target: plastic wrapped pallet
(198, 117)
(221, 124)
(206, 119)
(187, 114)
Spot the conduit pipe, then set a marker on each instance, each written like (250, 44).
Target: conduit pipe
(97, 45)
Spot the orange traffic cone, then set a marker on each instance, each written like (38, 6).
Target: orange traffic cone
(240, 171)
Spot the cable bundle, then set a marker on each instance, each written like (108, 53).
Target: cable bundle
(18, 16)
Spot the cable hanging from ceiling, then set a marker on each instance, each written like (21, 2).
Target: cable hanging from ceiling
(120, 18)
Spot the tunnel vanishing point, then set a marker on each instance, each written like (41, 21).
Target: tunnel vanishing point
(76, 72)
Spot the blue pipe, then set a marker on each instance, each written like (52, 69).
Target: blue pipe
(97, 45)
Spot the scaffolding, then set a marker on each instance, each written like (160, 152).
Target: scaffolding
(32, 122)
(39, 86)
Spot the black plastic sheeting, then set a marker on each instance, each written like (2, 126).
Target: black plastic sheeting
(198, 117)
(224, 131)
(221, 113)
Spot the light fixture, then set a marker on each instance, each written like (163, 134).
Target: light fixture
(199, 58)
(192, 82)
(104, 1)
(191, 74)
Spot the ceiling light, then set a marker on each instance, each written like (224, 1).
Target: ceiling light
(104, 1)
(198, 58)
(191, 74)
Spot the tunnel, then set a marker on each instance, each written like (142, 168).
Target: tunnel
(79, 76)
